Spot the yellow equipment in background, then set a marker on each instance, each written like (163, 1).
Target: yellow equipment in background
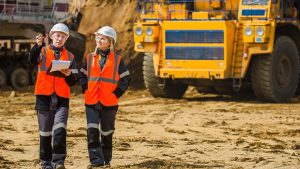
(222, 46)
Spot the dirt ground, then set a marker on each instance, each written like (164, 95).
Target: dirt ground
(198, 131)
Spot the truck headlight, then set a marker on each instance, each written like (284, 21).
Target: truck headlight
(260, 31)
(138, 31)
(248, 31)
(149, 31)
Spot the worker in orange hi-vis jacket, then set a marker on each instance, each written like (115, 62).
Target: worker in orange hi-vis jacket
(52, 92)
(104, 78)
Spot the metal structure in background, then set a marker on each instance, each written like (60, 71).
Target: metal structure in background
(20, 22)
(34, 11)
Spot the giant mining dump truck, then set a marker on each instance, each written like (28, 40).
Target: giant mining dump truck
(222, 46)
(20, 22)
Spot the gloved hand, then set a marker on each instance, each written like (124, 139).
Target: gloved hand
(84, 87)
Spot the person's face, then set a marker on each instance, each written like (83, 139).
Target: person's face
(59, 39)
(102, 42)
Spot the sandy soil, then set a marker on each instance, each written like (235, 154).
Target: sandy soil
(199, 131)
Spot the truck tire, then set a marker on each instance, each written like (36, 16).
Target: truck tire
(169, 89)
(19, 79)
(3, 79)
(297, 93)
(275, 77)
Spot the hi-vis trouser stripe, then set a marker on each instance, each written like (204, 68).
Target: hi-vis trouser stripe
(96, 126)
(43, 60)
(45, 134)
(98, 79)
(50, 133)
(93, 125)
(106, 133)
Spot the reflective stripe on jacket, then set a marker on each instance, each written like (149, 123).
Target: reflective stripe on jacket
(102, 83)
(46, 84)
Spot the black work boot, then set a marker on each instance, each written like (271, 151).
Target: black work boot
(60, 166)
(46, 165)
(91, 166)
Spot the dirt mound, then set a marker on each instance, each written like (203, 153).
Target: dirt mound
(120, 15)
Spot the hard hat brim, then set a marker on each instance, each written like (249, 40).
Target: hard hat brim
(55, 30)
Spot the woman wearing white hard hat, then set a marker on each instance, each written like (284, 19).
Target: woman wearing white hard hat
(104, 78)
(52, 92)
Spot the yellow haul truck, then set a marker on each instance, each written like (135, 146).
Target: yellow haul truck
(220, 45)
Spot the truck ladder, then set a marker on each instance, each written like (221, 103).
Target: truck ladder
(237, 61)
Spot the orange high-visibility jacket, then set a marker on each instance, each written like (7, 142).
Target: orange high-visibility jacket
(46, 84)
(102, 83)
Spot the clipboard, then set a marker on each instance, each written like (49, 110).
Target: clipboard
(59, 65)
(55, 73)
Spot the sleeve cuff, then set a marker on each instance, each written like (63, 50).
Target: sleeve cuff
(71, 79)
(118, 92)
(84, 87)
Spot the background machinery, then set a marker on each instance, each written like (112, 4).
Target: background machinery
(20, 22)
(223, 46)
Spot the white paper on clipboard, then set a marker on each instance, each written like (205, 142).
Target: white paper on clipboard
(58, 65)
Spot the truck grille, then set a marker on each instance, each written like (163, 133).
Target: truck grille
(194, 36)
(195, 53)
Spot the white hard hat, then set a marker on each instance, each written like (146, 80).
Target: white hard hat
(59, 27)
(107, 31)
